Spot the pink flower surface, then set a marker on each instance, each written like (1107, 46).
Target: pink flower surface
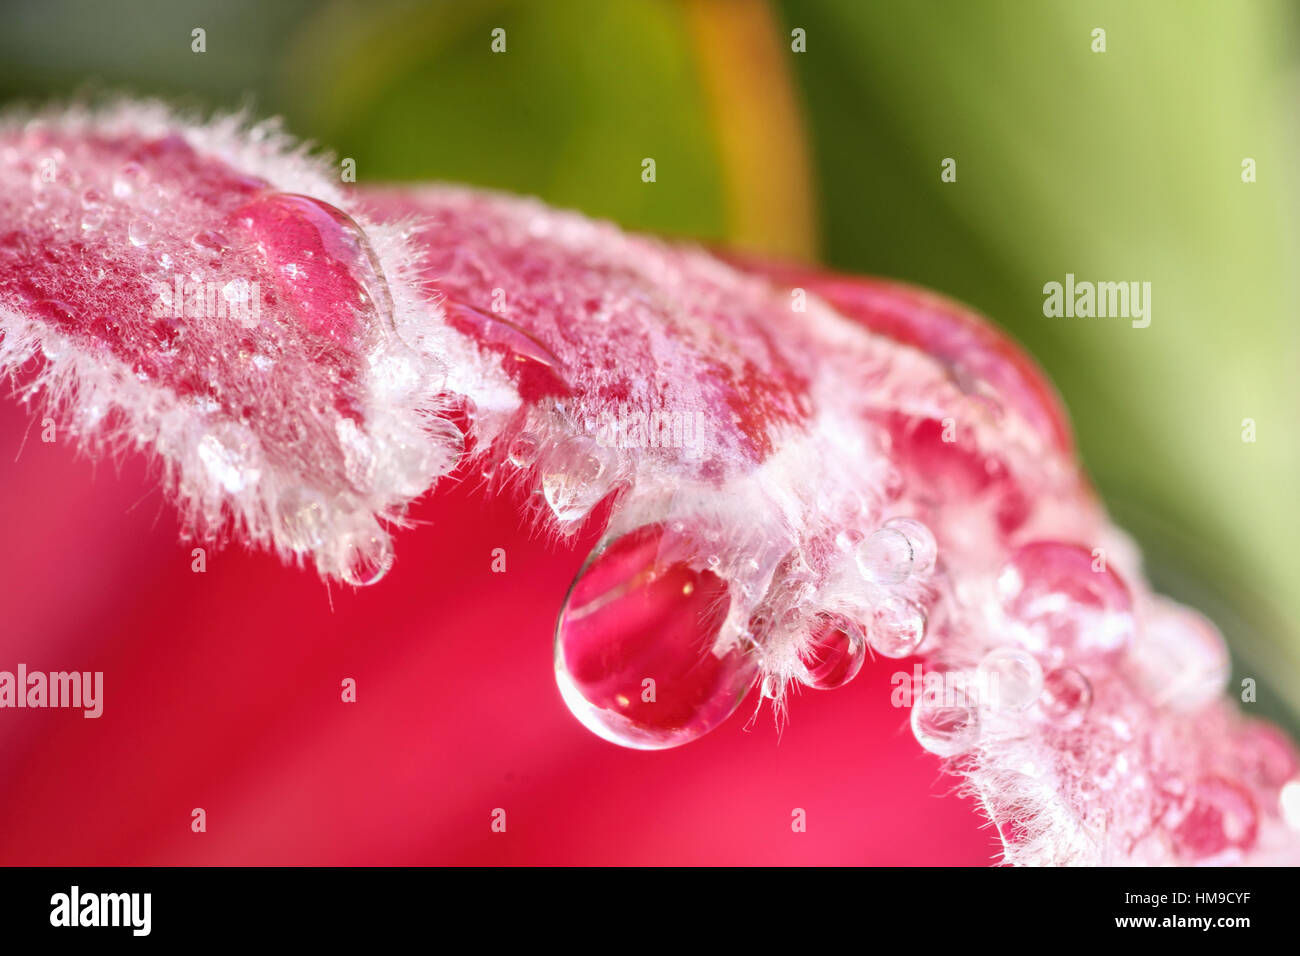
(764, 479)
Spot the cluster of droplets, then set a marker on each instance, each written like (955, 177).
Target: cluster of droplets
(606, 651)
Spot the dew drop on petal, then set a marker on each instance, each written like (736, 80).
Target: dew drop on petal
(523, 450)
(1066, 697)
(885, 557)
(322, 262)
(897, 627)
(366, 557)
(127, 180)
(1065, 602)
(141, 231)
(834, 653)
(576, 478)
(1010, 679)
(945, 728)
(920, 539)
(637, 652)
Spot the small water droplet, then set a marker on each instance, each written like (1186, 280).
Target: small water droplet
(576, 478)
(127, 180)
(945, 728)
(141, 231)
(897, 627)
(835, 652)
(523, 450)
(367, 557)
(1010, 679)
(639, 657)
(211, 240)
(1066, 697)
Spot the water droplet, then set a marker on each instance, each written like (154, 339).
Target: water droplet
(945, 728)
(1010, 679)
(1065, 608)
(897, 627)
(322, 263)
(1066, 697)
(638, 655)
(885, 558)
(1215, 815)
(127, 180)
(835, 652)
(523, 450)
(211, 240)
(577, 476)
(525, 353)
(921, 541)
(367, 557)
(141, 231)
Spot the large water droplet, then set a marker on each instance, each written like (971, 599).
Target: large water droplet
(885, 558)
(835, 652)
(920, 540)
(1068, 603)
(946, 728)
(322, 263)
(637, 653)
(897, 627)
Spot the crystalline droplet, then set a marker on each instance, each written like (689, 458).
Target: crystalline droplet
(835, 652)
(945, 728)
(897, 627)
(638, 655)
(321, 262)
(577, 475)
